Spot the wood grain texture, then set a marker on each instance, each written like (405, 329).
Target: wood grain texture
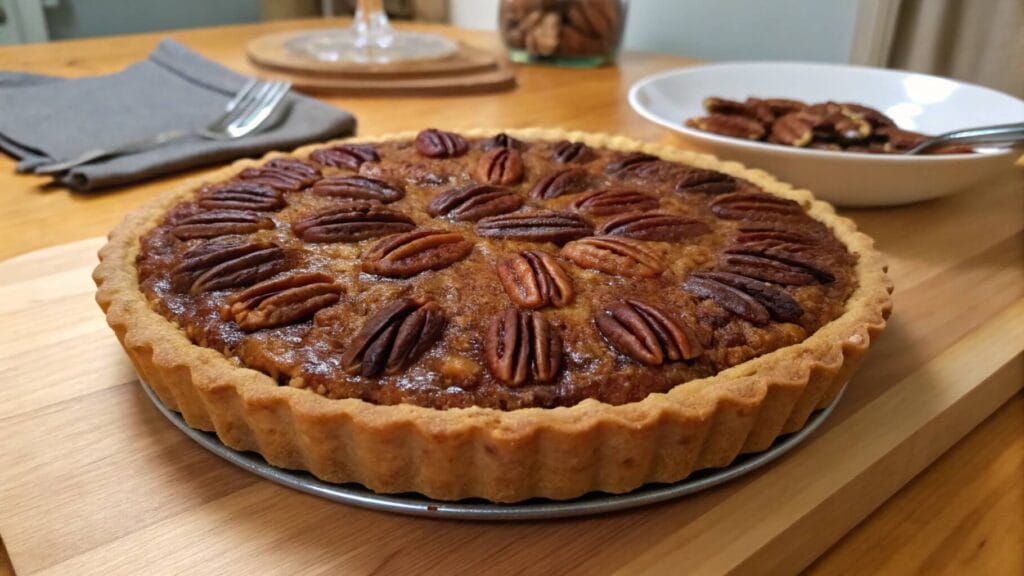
(966, 516)
(96, 482)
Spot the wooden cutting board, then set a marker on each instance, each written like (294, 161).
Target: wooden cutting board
(95, 481)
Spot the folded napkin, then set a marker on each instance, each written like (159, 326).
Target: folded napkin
(44, 119)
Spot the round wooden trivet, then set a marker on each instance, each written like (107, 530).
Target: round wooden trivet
(501, 77)
(471, 69)
(272, 51)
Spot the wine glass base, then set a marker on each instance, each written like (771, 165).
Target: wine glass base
(345, 45)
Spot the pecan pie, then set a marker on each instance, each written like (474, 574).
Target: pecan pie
(526, 314)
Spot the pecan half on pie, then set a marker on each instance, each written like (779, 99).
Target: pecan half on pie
(525, 314)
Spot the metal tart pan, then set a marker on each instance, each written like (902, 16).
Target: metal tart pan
(477, 509)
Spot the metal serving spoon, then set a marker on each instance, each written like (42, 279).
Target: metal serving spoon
(1002, 134)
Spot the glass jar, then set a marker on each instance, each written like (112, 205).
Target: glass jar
(581, 33)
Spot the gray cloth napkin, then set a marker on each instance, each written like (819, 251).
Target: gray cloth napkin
(45, 119)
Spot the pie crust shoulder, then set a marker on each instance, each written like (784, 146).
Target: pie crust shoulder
(559, 448)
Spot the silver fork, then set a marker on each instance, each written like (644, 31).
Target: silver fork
(246, 112)
(1001, 134)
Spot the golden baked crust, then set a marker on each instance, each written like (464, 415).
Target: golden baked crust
(503, 456)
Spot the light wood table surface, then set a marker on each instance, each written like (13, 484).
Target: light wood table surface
(963, 514)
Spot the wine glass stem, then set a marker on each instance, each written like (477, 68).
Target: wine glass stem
(371, 24)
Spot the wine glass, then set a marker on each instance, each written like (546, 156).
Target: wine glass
(370, 40)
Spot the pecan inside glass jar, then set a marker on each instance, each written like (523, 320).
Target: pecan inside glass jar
(569, 32)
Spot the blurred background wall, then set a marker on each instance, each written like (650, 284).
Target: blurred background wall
(980, 41)
(719, 30)
(79, 18)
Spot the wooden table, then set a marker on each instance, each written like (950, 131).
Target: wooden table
(958, 268)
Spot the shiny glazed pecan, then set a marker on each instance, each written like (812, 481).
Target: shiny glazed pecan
(736, 301)
(791, 130)
(282, 301)
(630, 162)
(351, 223)
(500, 166)
(646, 334)
(751, 108)
(764, 111)
(812, 231)
(823, 109)
(523, 346)
(394, 337)
(359, 188)
(227, 263)
(502, 140)
(830, 121)
(614, 255)
(845, 126)
(434, 143)
(282, 174)
(560, 183)
(534, 279)
(799, 255)
(745, 244)
(236, 195)
(658, 226)
(639, 165)
(350, 156)
(776, 302)
(753, 206)
(408, 254)
(213, 223)
(474, 202)
(729, 125)
(767, 269)
(614, 201)
(566, 152)
(705, 181)
(536, 226)
(874, 117)
(716, 105)
(750, 236)
(645, 167)
(778, 106)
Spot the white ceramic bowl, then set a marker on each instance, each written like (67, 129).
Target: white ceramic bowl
(928, 104)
